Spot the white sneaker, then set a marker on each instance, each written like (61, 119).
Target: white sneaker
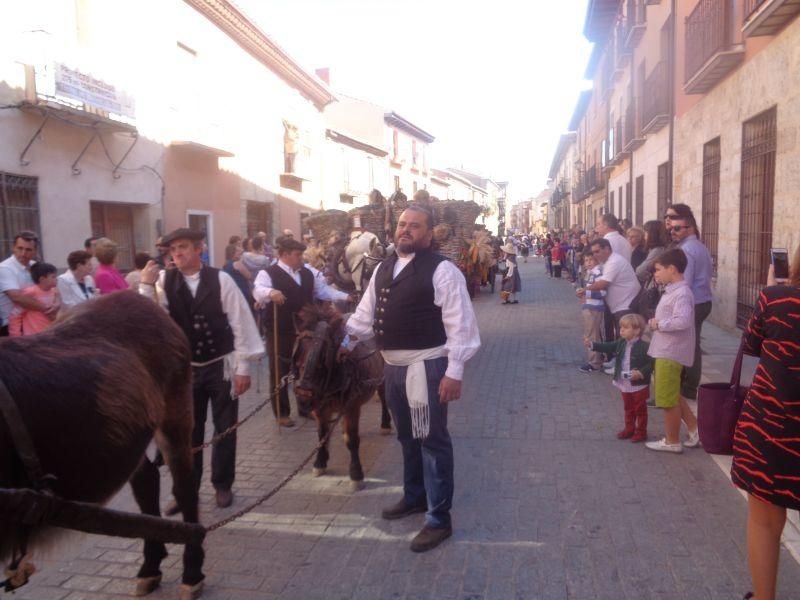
(609, 364)
(692, 440)
(609, 370)
(662, 446)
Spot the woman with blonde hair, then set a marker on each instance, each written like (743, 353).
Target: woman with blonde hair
(766, 447)
(107, 277)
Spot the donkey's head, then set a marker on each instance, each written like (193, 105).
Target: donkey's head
(314, 358)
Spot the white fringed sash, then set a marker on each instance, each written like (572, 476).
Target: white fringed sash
(416, 384)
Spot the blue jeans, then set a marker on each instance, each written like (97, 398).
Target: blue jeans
(428, 463)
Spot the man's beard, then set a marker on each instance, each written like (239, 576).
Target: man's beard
(406, 246)
(410, 246)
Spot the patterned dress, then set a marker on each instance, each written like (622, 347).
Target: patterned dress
(766, 452)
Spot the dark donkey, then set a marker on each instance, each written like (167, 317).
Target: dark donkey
(92, 392)
(327, 387)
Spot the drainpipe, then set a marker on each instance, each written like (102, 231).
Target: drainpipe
(630, 189)
(672, 64)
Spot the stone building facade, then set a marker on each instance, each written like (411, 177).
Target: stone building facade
(696, 101)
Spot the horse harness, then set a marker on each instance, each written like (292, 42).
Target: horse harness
(317, 336)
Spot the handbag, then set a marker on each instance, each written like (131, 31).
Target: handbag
(718, 409)
(647, 299)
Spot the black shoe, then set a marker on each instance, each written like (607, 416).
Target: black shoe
(401, 509)
(514, 302)
(429, 538)
(587, 368)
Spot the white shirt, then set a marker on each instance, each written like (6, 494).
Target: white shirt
(247, 344)
(71, 292)
(13, 276)
(322, 291)
(623, 286)
(450, 294)
(626, 385)
(619, 245)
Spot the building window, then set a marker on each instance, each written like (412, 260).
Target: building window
(416, 187)
(759, 136)
(710, 223)
(259, 218)
(610, 203)
(620, 201)
(640, 200)
(664, 191)
(19, 209)
(396, 183)
(395, 145)
(414, 153)
(371, 172)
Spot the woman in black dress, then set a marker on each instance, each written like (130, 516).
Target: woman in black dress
(766, 452)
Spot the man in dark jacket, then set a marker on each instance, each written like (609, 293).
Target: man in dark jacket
(210, 309)
(290, 286)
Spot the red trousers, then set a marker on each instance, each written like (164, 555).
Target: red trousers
(635, 414)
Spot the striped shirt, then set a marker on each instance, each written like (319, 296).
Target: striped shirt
(594, 299)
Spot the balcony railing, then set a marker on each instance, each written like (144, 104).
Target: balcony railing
(593, 180)
(710, 54)
(767, 17)
(655, 100)
(635, 23)
(622, 53)
(633, 137)
(619, 143)
(607, 73)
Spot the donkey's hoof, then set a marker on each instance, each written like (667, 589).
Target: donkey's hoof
(357, 486)
(319, 471)
(191, 592)
(146, 585)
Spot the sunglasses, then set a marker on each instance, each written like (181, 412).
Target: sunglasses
(671, 216)
(677, 228)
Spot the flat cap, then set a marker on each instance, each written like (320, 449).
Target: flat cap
(183, 233)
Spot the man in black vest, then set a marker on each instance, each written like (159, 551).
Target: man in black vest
(418, 309)
(290, 286)
(206, 303)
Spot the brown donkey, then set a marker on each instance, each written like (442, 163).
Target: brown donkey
(93, 391)
(328, 387)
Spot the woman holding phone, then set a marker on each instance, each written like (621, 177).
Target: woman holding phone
(766, 452)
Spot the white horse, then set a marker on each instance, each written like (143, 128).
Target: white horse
(361, 255)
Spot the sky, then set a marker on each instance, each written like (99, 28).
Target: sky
(495, 81)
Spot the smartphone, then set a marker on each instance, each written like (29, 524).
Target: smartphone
(779, 257)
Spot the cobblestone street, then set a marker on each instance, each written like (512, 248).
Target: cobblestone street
(549, 505)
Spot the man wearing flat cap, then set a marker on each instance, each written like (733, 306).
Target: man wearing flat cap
(290, 285)
(211, 310)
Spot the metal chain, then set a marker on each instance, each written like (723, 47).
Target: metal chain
(214, 440)
(278, 487)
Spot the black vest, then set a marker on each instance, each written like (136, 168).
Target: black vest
(297, 296)
(405, 316)
(201, 318)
